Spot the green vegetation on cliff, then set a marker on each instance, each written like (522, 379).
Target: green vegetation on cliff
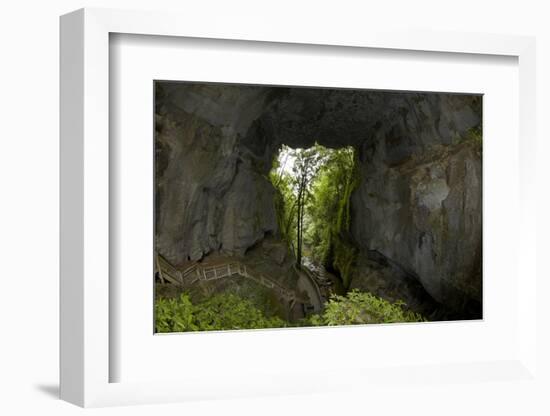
(330, 209)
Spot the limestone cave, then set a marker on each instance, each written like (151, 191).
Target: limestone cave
(280, 206)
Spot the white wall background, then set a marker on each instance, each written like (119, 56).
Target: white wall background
(29, 206)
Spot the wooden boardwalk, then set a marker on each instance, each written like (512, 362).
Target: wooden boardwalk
(222, 269)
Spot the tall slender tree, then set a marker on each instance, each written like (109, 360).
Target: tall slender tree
(306, 165)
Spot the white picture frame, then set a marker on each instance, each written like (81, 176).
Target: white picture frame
(86, 356)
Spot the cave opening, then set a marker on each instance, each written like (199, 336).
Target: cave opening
(314, 186)
(256, 186)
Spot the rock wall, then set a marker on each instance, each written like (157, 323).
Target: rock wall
(425, 215)
(210, 196)
(418, 203)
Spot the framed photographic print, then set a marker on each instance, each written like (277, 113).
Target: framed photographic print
(266, 213)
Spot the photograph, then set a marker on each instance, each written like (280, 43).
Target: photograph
(292, 206)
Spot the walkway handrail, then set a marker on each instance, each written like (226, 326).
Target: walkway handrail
(166, 271)
(310, 276)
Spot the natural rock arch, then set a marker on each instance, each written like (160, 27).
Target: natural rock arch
(418, 204)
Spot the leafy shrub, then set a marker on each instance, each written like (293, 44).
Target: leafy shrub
(219, 312)
(175, 315)
(228, 311)
(362, 308)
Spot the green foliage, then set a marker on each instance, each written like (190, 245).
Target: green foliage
(230, 312)
(313, 203)
(175, 315)
(473, 136)
(219, 312)
(285, 204)
(362, 308)
(331, 214)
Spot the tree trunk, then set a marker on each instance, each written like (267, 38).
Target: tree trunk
(299, 231)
